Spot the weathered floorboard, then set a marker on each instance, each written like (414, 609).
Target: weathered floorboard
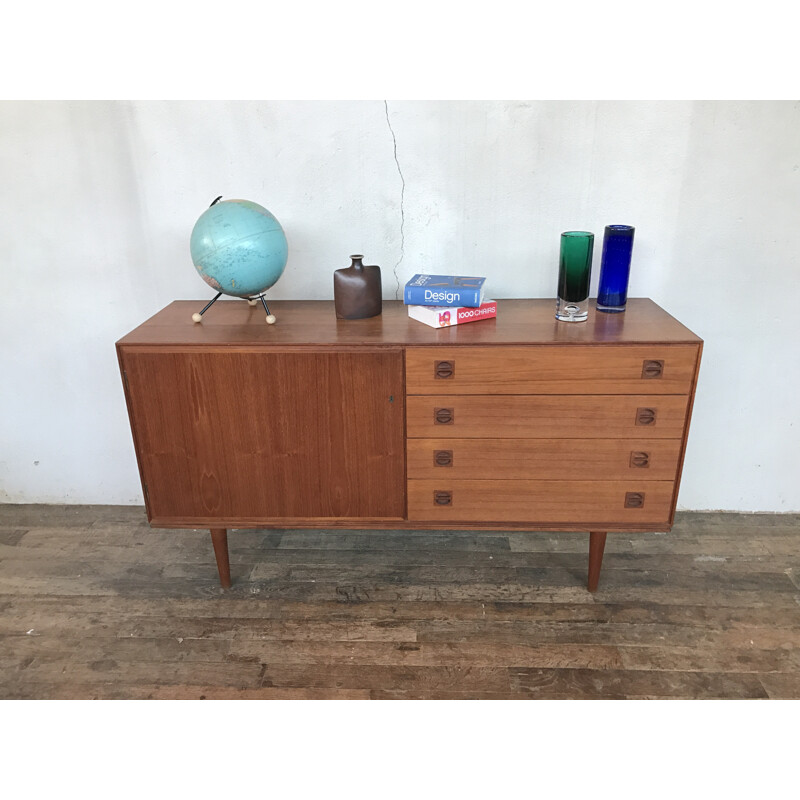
(95, 604)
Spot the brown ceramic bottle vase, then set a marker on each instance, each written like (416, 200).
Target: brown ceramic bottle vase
(357, 290)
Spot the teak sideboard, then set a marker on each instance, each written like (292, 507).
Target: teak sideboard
(514, 423)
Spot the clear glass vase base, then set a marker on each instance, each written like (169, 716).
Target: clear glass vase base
(571, 311)
(610, 309)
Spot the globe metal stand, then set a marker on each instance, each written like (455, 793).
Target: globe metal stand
(198, 317)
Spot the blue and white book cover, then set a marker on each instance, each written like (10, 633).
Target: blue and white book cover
(444, 290)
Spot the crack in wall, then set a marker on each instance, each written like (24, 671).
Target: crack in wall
(402, 205)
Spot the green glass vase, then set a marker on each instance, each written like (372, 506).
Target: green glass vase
(574, 275)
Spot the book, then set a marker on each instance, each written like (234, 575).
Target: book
(447, 316)
(444, 290)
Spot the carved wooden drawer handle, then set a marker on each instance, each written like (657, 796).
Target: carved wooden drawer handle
(443, 416)
(634, 499)
(444, 369)
(640, 459)
(443, 498)
(652, 369)
(442, 458)
(645, 416)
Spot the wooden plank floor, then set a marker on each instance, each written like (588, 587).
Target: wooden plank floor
(95, 604)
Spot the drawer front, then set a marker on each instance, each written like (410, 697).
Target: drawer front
(546, 417)
(630, 502)
(549, 459)
(553, 369)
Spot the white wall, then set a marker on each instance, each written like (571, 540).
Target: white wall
(97, 201)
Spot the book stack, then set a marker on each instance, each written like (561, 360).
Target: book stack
(445, 300)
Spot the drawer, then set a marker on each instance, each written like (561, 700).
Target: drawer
(549, 459)
(545, 417)
(589, 503)
(551, 369)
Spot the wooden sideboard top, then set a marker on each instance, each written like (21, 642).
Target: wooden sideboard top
(313, 322)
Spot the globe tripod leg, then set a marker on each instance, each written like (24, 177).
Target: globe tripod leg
(270, 317)
(197, 317)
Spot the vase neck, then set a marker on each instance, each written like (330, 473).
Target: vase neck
(358, 262)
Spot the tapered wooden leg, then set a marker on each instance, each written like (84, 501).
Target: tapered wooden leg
(597, 544)
(219, 536)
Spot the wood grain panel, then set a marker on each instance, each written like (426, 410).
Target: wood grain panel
(579, 369)
(565, 459)
(546, 416)
(223, 435)
(686, 429)
(586, 503)
(313, 323)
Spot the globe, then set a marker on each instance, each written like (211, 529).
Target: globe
(239, 248)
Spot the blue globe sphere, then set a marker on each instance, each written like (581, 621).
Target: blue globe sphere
(239, 248)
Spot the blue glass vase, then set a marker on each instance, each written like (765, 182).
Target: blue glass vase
(615, 268)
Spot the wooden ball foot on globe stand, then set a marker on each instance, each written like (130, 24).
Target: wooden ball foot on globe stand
(597, 544)
(219, 537)
(197, 317)
(270, 317)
